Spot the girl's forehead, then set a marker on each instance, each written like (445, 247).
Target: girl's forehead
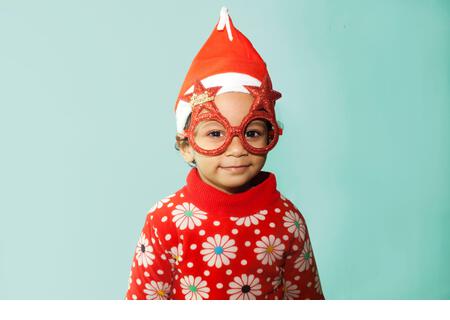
(234, 105)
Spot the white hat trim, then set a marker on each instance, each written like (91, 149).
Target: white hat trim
(229, 82)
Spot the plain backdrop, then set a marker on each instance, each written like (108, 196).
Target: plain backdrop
(87, 90)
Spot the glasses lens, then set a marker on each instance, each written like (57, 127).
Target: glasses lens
(210, 134)
(258, 133)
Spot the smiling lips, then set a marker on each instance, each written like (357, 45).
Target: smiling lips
(236, 169)
(231, 167)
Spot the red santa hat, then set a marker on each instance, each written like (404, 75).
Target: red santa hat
(227, 59)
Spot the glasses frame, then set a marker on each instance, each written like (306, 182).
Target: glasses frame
(204, 108)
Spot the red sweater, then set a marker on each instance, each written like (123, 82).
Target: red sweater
(202, 243)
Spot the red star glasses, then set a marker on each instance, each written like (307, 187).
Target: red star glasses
(210, 133)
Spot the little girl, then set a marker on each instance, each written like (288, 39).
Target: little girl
(228, 233)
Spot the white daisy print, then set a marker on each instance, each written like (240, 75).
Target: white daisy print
(305, 259)
(277, 281)
(251, 219)
(187, 216)
(317, 284)
(294, 224)
(218, 250)
(144, 252)
(130, 279)
(194, 288)
(176, 254)
(157, 290)
(244, 288)
(290, 291)
(269, 249)
(160, 203)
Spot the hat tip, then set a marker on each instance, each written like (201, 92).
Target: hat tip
(224, 22)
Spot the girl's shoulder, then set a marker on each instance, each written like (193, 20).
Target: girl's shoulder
(288, 205)
(162, 208)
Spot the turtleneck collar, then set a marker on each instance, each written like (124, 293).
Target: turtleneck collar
(250, 201)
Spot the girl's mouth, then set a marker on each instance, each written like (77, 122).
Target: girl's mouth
(236, 169)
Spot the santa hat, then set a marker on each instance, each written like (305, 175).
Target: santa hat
(227, 59)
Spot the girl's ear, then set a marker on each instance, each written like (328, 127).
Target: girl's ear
(186, 150)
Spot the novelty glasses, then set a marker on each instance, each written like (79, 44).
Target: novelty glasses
(210, 133)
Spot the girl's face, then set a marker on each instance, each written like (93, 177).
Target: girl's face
(232, 170)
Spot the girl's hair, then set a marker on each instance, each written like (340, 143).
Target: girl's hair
(180, 141)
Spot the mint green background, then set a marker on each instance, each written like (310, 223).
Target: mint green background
(87, 90)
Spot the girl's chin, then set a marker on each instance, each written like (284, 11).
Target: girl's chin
(237, 182)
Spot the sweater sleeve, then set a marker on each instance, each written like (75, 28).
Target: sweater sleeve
(153, 264)
(301, 277)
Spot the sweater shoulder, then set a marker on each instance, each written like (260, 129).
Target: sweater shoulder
(162, 208)
(289, 205)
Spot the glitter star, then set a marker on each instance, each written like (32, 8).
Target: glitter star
(264, 96)
(201, 97)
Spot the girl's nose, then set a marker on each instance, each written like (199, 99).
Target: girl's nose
(236, 148)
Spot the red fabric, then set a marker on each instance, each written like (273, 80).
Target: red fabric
(201, 243)
(219, 55)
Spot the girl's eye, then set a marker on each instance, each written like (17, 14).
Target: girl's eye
(215, 133)
(252, 134)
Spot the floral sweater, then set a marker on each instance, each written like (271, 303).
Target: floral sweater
(202, 243)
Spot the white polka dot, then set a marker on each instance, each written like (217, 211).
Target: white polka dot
(153, 240)
(163, 256)
(181, 195)
(169, 205)
(201, 232)
(134, 264)
(234, 231)
(190, 264)
(216, 223)
(160, 272)
(168, 237)
(164, 219)
(206, 273)
(309, 284)
(138, 281)
(285, 204)
(296, 278)
(295, 247)
(219, 285)
(174, 290)
(276, 298)
(286, 237)
(272, 225)
(248, 243)
(181, 236)
(134, 297)
(268, 279)
(151, 217)
(176, 277)
(179, 270)
(277, 210)
(243, 262)
(193, 246)
(229, 271)
(257, 231)
(259, 270)
(146, 274)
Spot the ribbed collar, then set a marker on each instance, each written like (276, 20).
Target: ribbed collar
(213, 200)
